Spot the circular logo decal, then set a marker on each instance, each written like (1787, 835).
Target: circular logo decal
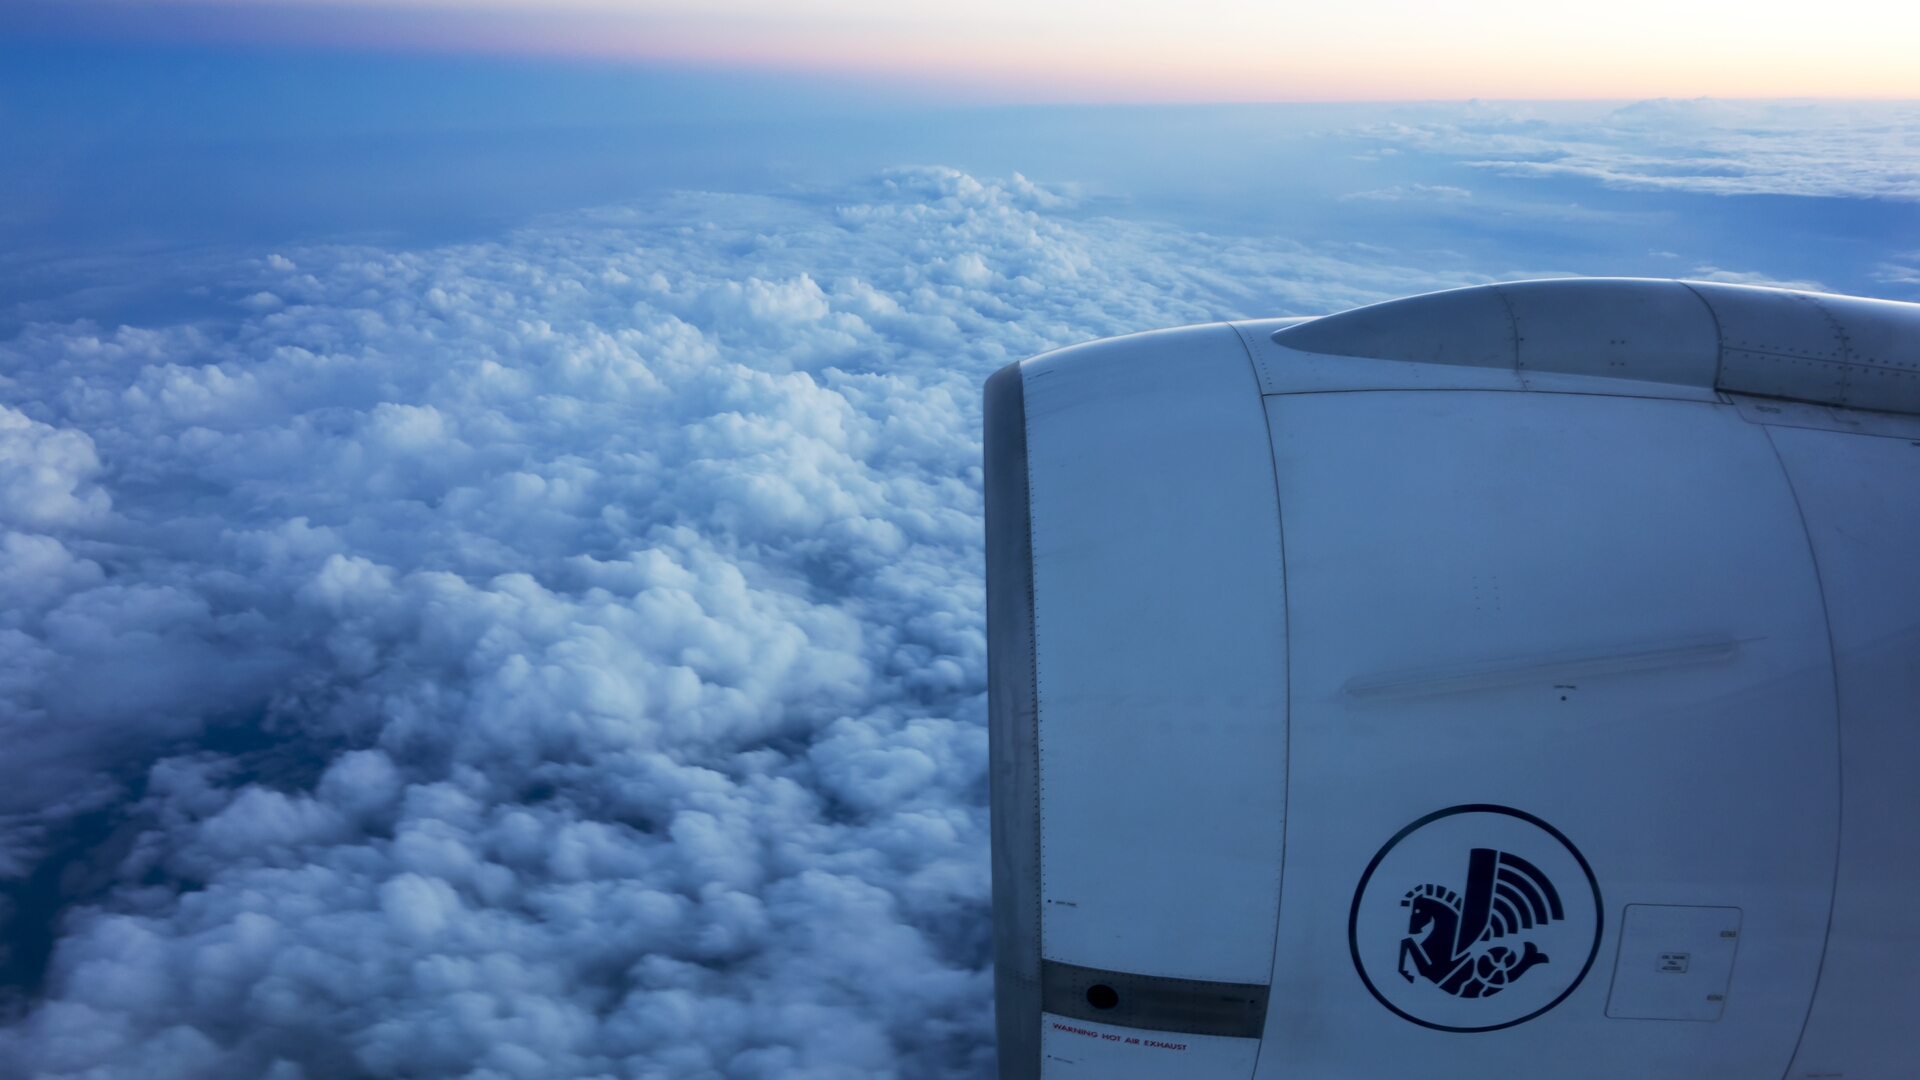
(1475, 918)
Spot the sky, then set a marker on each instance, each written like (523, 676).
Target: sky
(490, 545)
(1117, 50)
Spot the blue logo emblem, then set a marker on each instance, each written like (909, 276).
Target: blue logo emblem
(1496, 946)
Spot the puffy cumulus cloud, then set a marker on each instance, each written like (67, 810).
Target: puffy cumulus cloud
(559, 657)
(45, 474)
(1827, 149)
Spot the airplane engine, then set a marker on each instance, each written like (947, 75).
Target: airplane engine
(1514, 681)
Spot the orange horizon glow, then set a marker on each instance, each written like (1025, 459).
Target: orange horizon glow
(1078, 51)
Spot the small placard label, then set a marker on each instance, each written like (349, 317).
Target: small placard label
(1675, 962)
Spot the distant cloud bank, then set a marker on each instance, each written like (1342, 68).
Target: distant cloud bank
(1833, 150)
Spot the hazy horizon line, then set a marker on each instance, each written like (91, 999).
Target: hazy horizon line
(972, 67)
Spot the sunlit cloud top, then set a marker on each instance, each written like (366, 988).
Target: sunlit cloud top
(1118, 50)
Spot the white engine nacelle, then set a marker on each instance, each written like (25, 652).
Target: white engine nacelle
(1516, 681)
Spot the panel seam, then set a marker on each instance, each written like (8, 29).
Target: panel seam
(1286, 659)
(1719, 334)
(1846, 349)
(1839, 739)
(1513, 331)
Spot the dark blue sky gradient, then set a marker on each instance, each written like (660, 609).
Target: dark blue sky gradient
(126, 171)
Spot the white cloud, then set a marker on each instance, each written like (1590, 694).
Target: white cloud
(1412, 192)
(1851, 150)
(45, 474)
(1905, 271)
(559, 657)
(1753, 277)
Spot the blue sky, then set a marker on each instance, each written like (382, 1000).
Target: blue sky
(491, 547)
(1082, 51)
(131, 148)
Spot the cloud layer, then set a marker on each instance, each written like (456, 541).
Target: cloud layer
(559, 657)
(1867, 150)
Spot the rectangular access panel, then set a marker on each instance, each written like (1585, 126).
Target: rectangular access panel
(1674, 962)
(1861, 498)
(1551, 656)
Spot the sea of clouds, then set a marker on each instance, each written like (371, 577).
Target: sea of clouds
(562, 656)
(557, 657)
